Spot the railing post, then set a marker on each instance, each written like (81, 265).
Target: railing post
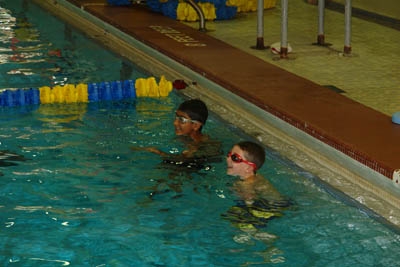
(321, 18)
(284, 29)
(260, 26)
(347, 38)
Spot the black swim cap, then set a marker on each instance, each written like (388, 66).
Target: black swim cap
(196, 110)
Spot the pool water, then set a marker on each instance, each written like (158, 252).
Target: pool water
(81, 197)
(38, 50)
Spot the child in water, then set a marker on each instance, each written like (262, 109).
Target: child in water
(258, 200)
(190, 117)
(243, 161)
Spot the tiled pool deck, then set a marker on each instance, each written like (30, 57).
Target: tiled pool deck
(297, 90)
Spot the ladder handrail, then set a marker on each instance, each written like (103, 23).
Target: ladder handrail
(202, 21)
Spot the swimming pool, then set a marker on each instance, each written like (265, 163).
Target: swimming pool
(81, 197)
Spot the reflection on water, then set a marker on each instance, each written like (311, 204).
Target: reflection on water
(22, 51)
(37, 50)
(57, 114)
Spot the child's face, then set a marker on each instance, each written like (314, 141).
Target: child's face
(184, 125)
(240, 166)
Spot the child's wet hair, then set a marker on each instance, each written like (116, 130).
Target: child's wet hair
(254, 152)
(195, 109)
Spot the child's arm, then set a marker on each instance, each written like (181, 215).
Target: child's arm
(150, 149)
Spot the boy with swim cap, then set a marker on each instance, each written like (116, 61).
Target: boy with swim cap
(190, 118)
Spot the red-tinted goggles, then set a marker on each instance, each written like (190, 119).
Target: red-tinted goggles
(238, 159)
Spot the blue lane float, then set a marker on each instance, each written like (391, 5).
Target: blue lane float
(111, 91)
(83, 93)
(20, 97)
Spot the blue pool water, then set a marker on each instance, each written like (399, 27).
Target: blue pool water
(80, 196)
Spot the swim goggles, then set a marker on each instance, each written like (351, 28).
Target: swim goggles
(238, 159)
(185, 120)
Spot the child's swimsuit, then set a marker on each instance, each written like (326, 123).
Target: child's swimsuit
(257, 214)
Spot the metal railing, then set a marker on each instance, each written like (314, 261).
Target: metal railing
(202, 20)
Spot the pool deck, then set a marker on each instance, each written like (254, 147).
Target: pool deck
(356, 130)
